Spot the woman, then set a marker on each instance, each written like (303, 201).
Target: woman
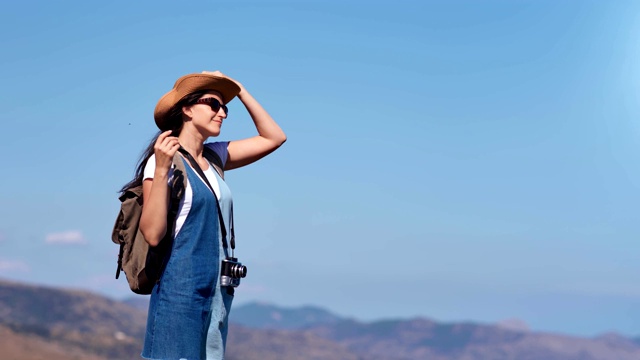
(188, 310)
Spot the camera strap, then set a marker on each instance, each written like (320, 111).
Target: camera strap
(196, 167)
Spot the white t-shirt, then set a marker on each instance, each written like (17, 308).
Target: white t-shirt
(185, 202)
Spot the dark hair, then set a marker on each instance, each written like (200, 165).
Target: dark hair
(174, 123)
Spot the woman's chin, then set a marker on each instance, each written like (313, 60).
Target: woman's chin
(214, 133)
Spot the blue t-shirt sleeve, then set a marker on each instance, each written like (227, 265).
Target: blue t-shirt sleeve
(220, 148)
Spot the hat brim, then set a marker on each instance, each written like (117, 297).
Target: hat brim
(189, 84)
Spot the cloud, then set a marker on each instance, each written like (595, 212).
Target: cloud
(72, 237)
(7, 266)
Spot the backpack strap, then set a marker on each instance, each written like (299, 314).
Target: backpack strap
(178, 186)
(196, 167)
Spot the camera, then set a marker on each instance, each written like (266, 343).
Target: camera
(232, 271)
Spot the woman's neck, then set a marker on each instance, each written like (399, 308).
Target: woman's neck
(193, 143)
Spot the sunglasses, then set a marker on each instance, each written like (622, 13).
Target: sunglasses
(214, 103)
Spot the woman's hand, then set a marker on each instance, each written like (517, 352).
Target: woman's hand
(164, 149)
(218, 73)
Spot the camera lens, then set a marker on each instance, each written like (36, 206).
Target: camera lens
(238, 271)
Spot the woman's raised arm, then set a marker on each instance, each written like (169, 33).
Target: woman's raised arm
(270, 135)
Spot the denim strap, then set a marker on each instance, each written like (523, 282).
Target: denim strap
(196, 167)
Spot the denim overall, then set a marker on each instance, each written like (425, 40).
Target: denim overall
(188, 310)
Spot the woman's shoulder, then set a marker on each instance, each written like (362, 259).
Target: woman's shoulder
(220, 148)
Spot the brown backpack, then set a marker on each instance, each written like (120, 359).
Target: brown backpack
(141, 263)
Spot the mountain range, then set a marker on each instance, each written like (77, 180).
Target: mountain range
(40, 322)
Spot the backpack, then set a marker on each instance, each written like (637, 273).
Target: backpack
(141, 263)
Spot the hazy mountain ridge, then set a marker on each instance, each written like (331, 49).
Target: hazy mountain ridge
(17, 346)
(86, 323)
(272, 344)
(47, 323)
(422, 338)
(267, 316)
(425, 339)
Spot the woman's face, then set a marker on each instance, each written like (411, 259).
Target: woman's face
(203, 117)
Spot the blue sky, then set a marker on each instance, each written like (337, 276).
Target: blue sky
(458, 160)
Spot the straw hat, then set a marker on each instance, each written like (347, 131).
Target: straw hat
(189, 84)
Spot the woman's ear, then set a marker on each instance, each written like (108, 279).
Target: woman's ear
(186, 110)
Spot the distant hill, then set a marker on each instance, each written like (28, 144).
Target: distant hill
(76, 321)
(267, 316)
(38, 322)
(427, 339)
(138, 302)
(269, 344)
(22, 346)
